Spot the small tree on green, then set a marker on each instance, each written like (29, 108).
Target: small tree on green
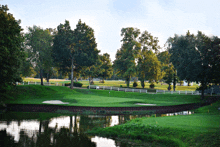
(106, 66)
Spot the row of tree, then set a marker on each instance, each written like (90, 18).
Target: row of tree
(64, 51)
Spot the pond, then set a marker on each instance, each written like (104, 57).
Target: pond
(53, 129)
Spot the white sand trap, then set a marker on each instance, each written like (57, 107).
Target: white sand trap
(145, 104)
(55, 102)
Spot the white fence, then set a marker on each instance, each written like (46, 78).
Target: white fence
(143, 90)
(116, 88)
(38, 83)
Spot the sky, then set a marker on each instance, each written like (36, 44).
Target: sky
(161, 18)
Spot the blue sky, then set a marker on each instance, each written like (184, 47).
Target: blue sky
(161, 18)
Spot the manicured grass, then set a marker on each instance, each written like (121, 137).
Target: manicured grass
(36, 94)
(117, 83)
(199, 129)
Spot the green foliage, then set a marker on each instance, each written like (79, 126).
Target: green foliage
(74, 49)
(135, 84)
(149, 67)
(124, 63)
(152, 85)
(38, 45)
(106, 66)
(11, 51)
(196, 57)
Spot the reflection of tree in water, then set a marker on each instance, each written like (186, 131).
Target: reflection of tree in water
(6, 140)
(62, 137)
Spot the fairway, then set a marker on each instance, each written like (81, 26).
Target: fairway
(36, 94)
(118, 83)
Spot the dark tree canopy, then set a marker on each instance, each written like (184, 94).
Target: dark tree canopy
(196, 58)
(74, 49)
(11, 51)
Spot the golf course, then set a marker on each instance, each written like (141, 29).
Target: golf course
(202, 128)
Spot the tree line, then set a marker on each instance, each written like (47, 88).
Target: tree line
(62, 51)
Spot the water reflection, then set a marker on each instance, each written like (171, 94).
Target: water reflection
(60, 131)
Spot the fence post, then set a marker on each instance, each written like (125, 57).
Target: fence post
(140, 90)
(171, 92)
(133, 90)
(28, 83)
(118, 89)
(185, 92)
(23, 83)
(179, 92)
(146, 91)
(111, 88)
(103, 87)
(192, 92)
(156, 90)
(125, 89)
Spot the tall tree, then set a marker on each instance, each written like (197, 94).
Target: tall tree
(149, 68)
(125, 57)
(39, 43)
(191, 56)
(11, 51)
(106, 67)
(76, 48)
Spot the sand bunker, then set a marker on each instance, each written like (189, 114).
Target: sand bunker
(145, 104)
(55, 102)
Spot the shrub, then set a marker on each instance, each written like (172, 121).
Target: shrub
(135, 84)
(121, 86)
(75, 84)
(152, 85)
(67, 84)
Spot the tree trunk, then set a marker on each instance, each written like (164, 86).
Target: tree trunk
(128, 81)
(41, 76)
(203, 89)
(142, 83)
(174, 82)
(72, 66)
(188, 82)
(48, 77)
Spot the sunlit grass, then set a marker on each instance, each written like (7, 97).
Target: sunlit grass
(116, 83)
(36, 94)
(198, 129)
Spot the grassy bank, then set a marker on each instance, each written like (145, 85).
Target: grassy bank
(117, 83)
(199, 129)
(36, 94)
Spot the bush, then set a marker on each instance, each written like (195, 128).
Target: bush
(135, 84)
(67, 84)
(152, 85)
(121, 86)
(75, 84)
